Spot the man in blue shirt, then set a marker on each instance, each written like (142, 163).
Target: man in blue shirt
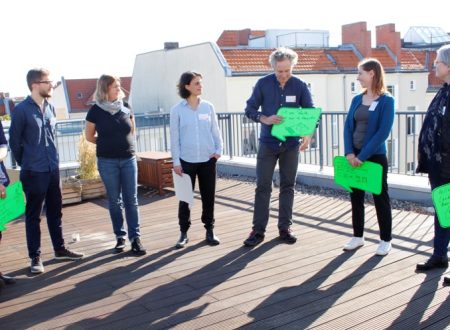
(272, 92)
(32, 142)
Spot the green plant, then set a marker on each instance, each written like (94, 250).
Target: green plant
(87, 159)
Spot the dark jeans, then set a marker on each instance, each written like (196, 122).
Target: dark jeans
(382, 205)
(441, 235)
(206, 173)
(265, 165)
(40, 187)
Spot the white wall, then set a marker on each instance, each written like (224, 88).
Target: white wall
(156, 75)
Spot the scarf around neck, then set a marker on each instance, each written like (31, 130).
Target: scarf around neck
(112, 107)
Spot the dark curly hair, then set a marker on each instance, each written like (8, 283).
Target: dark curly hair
(186, 79)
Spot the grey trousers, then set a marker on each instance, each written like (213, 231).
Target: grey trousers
(265, 165)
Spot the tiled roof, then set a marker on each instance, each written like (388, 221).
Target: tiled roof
(382, 55)
(344, 59)
(408, 61)
(257, 33)
(81, 92)
(421, 56)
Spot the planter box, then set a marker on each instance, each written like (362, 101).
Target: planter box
(71, 191)
(92, 188)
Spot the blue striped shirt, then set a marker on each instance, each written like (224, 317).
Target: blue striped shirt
(194, 133)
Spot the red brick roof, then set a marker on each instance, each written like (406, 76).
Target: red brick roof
(234, 38)
(81, 92)
(327, 59)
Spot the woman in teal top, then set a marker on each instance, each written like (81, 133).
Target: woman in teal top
(367, 127)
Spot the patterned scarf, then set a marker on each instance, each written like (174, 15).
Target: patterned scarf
(113, 107)
(429, 139)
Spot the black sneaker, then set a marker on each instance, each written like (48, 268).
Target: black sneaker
(182, 241)
(433, 262)
(65, 254)
(137, 248)
(120, 245)
(37, 267)
(287, 236)
(254, 239)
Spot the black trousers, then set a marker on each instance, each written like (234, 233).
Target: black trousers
(40, 187)
(382, 205)
(206, 173)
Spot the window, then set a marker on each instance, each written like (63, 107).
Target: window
(411, 125)
(334, 131)
(410, 167)
(412, 85)
(391, 89)
(79, 95)
(392, 153)
(353, 87)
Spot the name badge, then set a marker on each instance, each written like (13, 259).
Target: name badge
(290, 98)
(203, 116)
(373, 105)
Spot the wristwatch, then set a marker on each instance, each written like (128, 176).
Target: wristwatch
(258, 117)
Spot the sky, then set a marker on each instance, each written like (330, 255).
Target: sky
(86, 38)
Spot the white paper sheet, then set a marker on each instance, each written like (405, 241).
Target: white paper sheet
(183, 188)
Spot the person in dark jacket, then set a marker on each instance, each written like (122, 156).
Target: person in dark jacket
(4, 181)
(276, 90)
(110, 125)
(367, 127)
(32, 142)
(434, 154)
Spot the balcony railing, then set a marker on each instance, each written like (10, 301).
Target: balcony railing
(241, 135)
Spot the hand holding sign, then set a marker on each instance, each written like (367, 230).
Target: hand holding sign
(296, 122)
(13, 206)
(441, 201)
(366, 177)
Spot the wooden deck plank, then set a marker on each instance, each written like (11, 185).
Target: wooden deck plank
(312, 283)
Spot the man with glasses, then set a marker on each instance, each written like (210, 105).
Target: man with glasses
(32, 143)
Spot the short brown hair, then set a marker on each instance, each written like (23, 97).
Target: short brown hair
(103, 84)
(35, 75)
(372, 64)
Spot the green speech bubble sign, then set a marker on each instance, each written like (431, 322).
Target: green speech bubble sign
(296, 122)
(441, 201)
(366, 177)
(13, 206)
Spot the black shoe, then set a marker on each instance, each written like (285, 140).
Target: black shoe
(287, 236)
(182, 241)
(433, 262)
(254, 239)
(120, 245)
(137, 248)
(7, 279)
(36, 267)
(447, 280)
(65, 254)
(211, 239)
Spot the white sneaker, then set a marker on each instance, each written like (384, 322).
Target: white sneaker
(383, 248)
(354, 243)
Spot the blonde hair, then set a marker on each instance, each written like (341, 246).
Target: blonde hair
(103, 84)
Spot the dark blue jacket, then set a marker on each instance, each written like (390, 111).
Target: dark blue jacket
(268, 95)
(378, 128)
(32, 136)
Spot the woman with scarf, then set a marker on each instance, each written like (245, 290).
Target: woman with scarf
(110, 125)
(434, 154)
(4, 181)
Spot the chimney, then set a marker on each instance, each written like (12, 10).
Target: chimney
(170, 45)
(244, 35)
(357, 34)
(387, 36)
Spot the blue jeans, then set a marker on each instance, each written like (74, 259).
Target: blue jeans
(120, 178)
(40, 188)
(441, 235)
(265, 165)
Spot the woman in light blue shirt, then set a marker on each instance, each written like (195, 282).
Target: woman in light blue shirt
(196, 145)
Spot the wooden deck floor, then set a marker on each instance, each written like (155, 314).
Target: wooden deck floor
(312, 284)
